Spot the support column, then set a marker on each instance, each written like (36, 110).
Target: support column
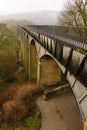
(21, 37)
(27, 57)
(38, 65)
(29, 63)
(23, 47)
(25, 54)
(85, 124)
(38, 71)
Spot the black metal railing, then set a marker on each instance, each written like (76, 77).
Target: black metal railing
(76, 36)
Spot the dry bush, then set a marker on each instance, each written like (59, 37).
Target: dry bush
(8, 95)
(3, 97)
(23, 91)
(23, 102)
(28, 90)
(14, 110)
(13, 91)
(21, 75)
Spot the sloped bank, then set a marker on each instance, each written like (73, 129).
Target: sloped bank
(19, 110)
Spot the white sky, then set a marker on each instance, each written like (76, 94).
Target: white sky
(15, 6)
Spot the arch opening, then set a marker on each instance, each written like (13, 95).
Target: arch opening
(50, 73)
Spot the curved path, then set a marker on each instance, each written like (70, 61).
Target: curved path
(60, 113)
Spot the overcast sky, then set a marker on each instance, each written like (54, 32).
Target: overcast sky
(17, 6)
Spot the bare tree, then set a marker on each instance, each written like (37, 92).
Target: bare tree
(74, 14)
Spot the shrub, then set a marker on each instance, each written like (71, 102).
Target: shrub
(14, 110)
(21, 103)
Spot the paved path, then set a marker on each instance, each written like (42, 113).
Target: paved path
(60, 113)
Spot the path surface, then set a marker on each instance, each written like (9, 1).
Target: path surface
(60, 113)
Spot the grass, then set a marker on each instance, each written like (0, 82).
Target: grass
(27, 123)
(34, 122)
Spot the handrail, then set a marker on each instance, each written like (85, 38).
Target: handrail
(75, 36)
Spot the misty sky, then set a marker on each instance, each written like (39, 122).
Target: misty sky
(17, 6)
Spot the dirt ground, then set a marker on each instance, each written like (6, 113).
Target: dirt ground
(60, 113)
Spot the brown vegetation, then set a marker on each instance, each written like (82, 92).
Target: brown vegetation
(20, 102)
(17, 100)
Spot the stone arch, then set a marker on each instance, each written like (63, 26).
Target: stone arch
(27, 36)
(33, 61)
(50, 73)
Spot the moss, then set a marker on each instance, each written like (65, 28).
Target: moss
(21, 128)
(45, 97)
(33, 123)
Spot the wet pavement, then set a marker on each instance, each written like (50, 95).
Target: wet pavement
(60, 113)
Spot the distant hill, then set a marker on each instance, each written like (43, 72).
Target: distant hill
(40, 17)
(13, 23)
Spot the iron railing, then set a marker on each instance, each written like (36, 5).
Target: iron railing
(75, 36)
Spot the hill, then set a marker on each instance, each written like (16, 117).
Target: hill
(40, 17)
